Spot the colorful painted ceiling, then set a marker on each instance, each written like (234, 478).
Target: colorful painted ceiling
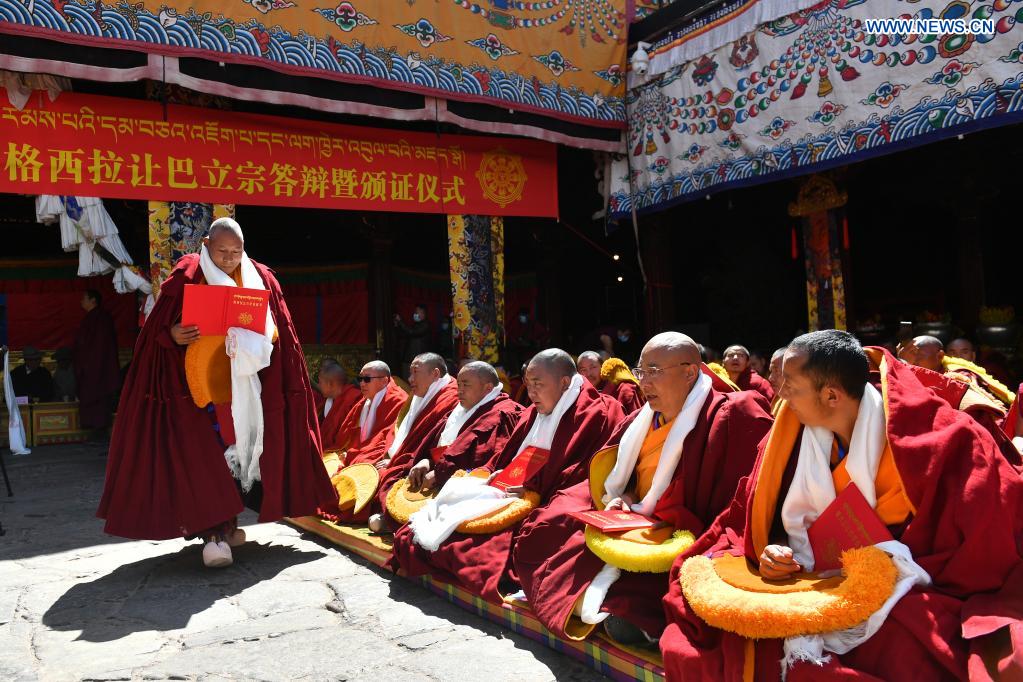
(812, 90)
(554, 58)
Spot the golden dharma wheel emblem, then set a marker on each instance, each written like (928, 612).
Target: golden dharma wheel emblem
(245, 318)
(502, 177)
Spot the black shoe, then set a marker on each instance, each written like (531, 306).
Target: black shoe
(624, 632)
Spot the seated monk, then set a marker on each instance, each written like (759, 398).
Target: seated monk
(676, 460)
(478, 427)
(929, 353)
(625, 390)
(369, 421)
(434, 395)
(325, 362)
(774, 377)
(339, 399)
(947, 585)
(736, 363)
(564, 426)
(190, 450)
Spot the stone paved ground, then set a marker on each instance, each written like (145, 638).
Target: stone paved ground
(76, 604)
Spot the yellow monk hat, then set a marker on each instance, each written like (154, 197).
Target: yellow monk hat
(402, 503)
(601, 465)
(208, 371)
(729, 594)
(639, 551)
(616, 371)
(356, 486)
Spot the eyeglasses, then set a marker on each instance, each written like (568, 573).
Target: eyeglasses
(366, 379)
(654, 372)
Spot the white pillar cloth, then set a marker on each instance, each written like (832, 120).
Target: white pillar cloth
(15, 427)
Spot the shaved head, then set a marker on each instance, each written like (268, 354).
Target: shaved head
(669, 367)
(554, 361)
(779, 354)
(432, 361)
(481, 370)
(229, 225)
(930, 342)
(923, 351)
(963, 349)
(676, 343)
(589, 366)
(334, 372)
(377, 366)
(548, 376)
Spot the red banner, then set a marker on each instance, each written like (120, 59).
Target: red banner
(109, 147)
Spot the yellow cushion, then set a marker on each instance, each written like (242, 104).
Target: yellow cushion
(208, 371)
(505, 517)
(600, 468)
(401, 503)
(728, 594)
(643, 551)
(356, 486)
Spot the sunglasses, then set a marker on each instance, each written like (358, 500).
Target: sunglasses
(365, 379)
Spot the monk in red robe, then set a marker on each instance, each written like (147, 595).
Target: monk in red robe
(677, 460)
(624, 391)
(736, 363)
(478, 427)
(568, 421)
(959, 363)
(774, 377)
(170, 472)
(94, 358)
(325, 361)
(339, 399)
(434, 395)
(370, 419)
(934, 477)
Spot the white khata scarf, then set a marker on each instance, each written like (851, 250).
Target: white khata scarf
(369, 413)
(249, 352)
(460, 415)
(618, 479)
(465, 497)
(810, 493)
(417, 406)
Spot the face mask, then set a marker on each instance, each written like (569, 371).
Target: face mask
(624, 338)
(417, 317)
(445, 326)
(523, 318)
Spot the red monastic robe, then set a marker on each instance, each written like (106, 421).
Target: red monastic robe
(330, 427)
(627, 393)
(349, 437)
(166, 472)
(479, 562)
(966, 532)
(484, 433)
(97, 369)
(751, 381)
(433, 413)
(551, 557)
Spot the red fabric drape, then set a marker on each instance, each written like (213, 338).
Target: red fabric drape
(49, 319)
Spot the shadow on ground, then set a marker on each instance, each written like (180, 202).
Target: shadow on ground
(163, 593)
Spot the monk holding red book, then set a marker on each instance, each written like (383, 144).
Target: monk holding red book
(940, 601)
(569, 420)
(188, 452)
(675, 462)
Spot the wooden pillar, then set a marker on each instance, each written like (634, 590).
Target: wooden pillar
(658, 259)
(819, 206)
(971, 290)
(548, 279)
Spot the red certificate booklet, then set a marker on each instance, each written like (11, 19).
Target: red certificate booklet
(613, 521)
(215, 309)
(522, 468)
(848, 523)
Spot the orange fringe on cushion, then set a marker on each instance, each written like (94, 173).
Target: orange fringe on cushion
(806, 607)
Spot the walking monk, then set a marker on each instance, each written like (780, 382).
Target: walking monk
(942, 590)
(677, 460)
(179, 465)
(566, 424)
